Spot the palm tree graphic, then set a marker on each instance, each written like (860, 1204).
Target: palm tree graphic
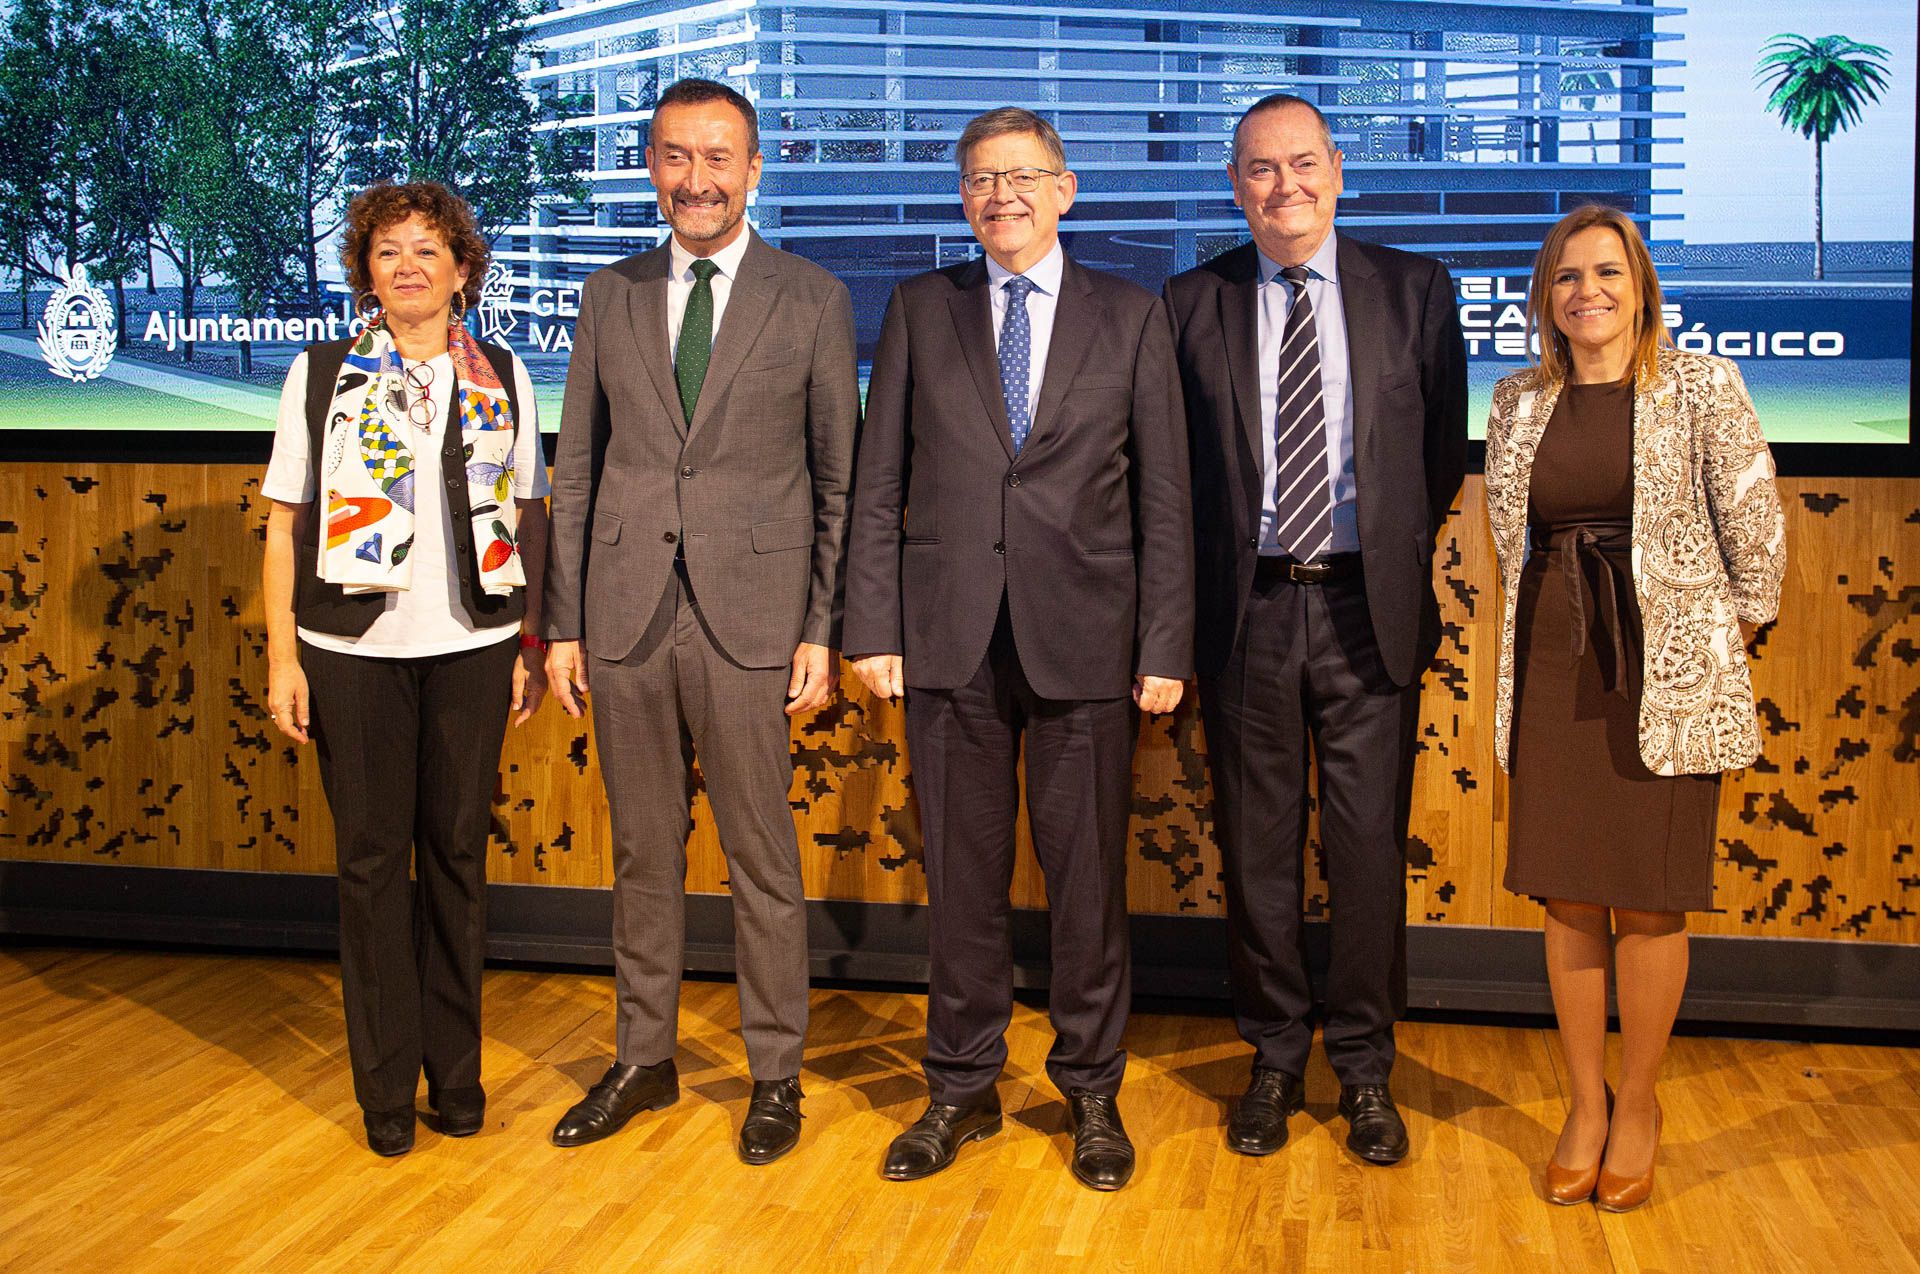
(1818, 89)
(1585, 88)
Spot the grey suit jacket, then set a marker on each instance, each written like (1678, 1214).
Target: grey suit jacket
(752, 491)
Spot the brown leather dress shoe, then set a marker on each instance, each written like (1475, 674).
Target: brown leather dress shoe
(772, 1125)
(1102, 1151)
(1568, 1186)
(1259, 1123)
(1375, 1131)
(622, 1093)
(1615, 1193)
(936, 1137)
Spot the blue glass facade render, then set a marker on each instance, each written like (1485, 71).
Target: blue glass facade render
(1468, 128)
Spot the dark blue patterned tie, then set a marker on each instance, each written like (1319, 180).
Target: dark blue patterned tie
(1016, 355)
(1302, 502)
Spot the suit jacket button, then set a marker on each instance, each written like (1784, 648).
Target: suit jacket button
(461, 548)
(1253, 541)
(1013, 479)
(687, 472)
(1000, 547)
(453, 484)
(669, 537)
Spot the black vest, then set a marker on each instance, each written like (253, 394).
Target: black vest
(327, 608)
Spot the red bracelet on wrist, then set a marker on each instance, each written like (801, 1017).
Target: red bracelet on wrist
(531, 641)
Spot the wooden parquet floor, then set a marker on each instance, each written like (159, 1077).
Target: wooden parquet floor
(193, 1112)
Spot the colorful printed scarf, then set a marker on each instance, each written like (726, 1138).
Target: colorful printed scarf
(370, 473)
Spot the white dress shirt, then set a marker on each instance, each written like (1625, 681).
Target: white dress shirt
(1045, 276)
(428, 618)
(1336, 388)
(680, 283)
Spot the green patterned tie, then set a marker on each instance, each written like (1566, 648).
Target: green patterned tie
(696, 337)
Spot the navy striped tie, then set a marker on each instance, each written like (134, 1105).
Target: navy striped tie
(1302, 501)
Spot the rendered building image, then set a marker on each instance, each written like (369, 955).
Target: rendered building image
(1468, 127)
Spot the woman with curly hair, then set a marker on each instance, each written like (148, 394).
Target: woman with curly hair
(402, 581)
(1641, 543)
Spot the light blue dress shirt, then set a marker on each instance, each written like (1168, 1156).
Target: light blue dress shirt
(1041, 304)
(1336, 386)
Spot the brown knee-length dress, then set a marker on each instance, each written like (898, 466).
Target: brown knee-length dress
(1587, 821)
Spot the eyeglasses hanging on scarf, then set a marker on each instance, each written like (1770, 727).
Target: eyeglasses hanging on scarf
(420, 409)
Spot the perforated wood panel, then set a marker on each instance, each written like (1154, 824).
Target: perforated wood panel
(130, 715)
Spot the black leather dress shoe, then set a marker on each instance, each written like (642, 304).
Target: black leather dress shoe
(1374, 1128)
(461, 1112)
(622, 1093)
(933, 1140)
(772, 1125)
(1259, 1123)
(389, 1132)
(1102, 1152)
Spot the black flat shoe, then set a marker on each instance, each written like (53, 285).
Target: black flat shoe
(1259, 1123)
(936, 1137)
(460, 1112)
(1102, 1151)
(772, 1125)
(389, 1132)
(1375, 1131)
(622, 1093)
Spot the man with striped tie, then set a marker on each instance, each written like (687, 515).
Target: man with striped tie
(1325, 385)
(1021, 569)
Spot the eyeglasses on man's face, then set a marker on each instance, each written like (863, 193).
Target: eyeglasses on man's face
(1022, 181)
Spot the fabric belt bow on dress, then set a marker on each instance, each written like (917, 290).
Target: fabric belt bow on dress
(1605, 544)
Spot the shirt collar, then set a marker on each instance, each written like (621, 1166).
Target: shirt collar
(1045, 274)
(1323, 264)
(728, 258)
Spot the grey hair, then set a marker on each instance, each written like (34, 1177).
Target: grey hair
(1003, 121)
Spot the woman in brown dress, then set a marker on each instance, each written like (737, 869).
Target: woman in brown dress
(1640, 543)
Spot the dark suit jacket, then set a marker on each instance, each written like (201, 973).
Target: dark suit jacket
(1409, 374)
(1088, 532)
(753, 490)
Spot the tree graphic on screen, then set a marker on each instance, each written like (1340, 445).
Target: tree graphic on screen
(437, 100)
(1818, 88)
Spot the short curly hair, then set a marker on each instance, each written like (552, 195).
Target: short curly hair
(387, 204)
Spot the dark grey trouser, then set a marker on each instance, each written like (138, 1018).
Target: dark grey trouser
(1306, 667)
(674, 697)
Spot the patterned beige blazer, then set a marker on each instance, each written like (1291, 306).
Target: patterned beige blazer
(1709, 549)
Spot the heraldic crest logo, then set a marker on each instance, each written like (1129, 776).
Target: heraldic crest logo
(77, 336)
(496, 304)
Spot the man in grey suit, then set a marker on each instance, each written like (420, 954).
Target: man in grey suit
(1021, 569)
(699, 503)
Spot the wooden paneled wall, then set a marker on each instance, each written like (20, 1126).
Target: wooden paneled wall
(132, 666)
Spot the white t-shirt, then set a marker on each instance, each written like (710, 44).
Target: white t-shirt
(428, 618)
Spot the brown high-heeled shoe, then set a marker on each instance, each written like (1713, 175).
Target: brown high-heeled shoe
(1615, 1193)
(1568, 1186)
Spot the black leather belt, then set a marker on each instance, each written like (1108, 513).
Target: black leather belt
(1321, 570)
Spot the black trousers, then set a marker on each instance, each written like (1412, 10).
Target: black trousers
(409, 757)
(1305, 666)
(964, 746)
